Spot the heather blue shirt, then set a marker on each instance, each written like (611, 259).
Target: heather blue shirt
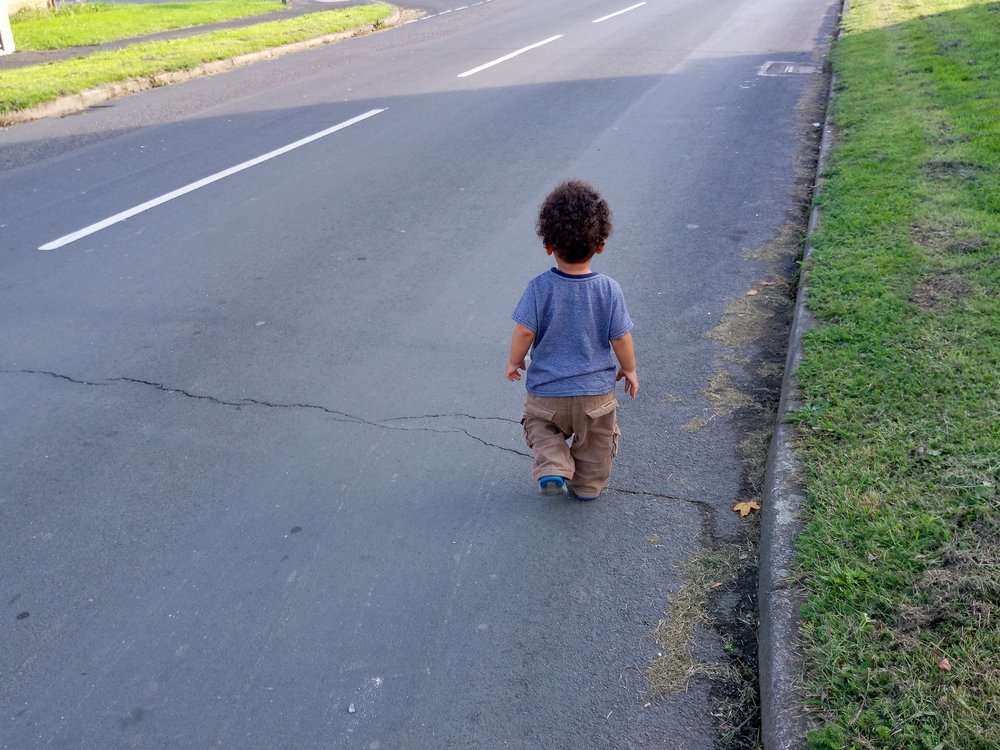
(574, 319)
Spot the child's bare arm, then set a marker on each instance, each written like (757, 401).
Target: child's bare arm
(520, 343)
(625, 352)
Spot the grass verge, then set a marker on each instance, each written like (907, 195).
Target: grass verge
(900, 431)
(96, 23)
(26, 87)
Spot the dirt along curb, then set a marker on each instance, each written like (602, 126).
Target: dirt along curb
(67, 105)
(784, 719)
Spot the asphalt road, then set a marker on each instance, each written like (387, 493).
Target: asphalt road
(258, 460)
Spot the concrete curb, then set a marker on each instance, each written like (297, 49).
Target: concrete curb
(84, 100)
(784, 719)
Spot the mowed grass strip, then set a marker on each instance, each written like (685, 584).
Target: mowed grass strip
(36, 84)
(900, 432)
(96, 23)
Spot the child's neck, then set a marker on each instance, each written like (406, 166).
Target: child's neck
(574, 269)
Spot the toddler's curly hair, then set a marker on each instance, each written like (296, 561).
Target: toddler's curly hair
(574, 220)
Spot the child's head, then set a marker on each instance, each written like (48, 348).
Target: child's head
(574, 221)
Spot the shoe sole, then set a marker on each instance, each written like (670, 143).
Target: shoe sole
(551, 489)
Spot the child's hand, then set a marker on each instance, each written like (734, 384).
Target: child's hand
(631, 381)
(513, 370)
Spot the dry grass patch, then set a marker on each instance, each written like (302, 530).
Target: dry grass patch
(940, 289)
(697, 424)
(787, 244)
(707, 571)
(723, 397)
(750, 318)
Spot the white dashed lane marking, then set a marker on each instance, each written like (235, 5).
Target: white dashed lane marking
(618, 13)
(505, 58)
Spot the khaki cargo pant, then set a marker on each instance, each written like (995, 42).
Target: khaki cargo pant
(590, 421)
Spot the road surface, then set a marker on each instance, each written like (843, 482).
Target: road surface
(262, 482)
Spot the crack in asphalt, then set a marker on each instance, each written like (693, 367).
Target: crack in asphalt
(456, 414)
(344, 417)
(53, 375)
(338, 416)
(711, 533)
(703, 504)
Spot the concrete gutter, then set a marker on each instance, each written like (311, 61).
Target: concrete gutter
(784, 718)
(84, 100)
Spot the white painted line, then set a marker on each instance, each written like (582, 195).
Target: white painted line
(55, 244)
(618, 13)
(505, 58)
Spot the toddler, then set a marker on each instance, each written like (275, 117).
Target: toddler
(572, 319)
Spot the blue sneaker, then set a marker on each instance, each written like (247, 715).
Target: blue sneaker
(582, 498)
(552, 486)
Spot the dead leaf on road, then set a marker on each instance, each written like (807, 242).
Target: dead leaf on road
(746, 506)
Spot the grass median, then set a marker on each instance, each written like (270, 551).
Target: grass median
(96, 23)
(23, 88)
(900, 431)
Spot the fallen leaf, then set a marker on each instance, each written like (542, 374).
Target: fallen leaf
(746, 506)
(944, 665)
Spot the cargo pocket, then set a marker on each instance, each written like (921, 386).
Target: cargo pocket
(602, 410)
(603, 413)
(535, 412)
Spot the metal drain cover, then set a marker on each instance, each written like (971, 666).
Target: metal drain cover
(774, 68)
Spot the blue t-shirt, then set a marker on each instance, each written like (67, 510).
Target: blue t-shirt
(574, 319)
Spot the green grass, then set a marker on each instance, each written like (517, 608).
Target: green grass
(900, 431)
(25, 87)
(88, 24)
